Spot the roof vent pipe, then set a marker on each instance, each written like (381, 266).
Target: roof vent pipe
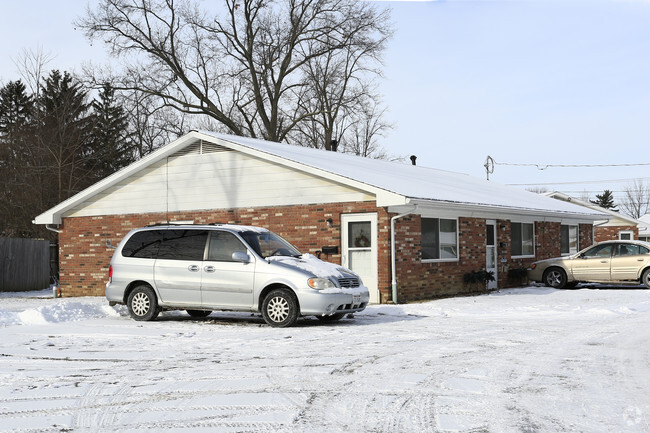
(413, 158)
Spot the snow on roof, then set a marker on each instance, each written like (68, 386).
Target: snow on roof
(414, 182)
(393, 179)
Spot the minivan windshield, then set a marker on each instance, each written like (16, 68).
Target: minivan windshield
(268, 244)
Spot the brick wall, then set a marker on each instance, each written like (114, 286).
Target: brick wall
(84, 258)
(610, 233)
(417, 280)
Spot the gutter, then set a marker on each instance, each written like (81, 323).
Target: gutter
(392, 251)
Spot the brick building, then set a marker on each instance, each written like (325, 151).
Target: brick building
(411, 232)
(613, 226)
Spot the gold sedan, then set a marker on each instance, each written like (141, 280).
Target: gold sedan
(620, 262)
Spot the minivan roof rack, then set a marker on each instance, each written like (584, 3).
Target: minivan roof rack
(170, 223)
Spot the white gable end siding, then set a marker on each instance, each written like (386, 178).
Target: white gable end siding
(220, 180)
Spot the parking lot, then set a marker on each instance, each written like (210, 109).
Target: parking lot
(521, 360)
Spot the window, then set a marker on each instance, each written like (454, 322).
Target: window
(599, 251)
(223, 245)
(439, 239)
(522, 239)
(631, 250)
(625, 235)
(569, 239)
(143, 245)
(183, 244)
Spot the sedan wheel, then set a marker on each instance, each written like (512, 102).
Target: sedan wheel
(555, 278)
(646, 278)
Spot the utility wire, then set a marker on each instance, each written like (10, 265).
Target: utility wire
(579, 182)
(545, 166)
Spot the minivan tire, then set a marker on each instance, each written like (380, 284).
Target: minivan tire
(280, 308)
(143, 304)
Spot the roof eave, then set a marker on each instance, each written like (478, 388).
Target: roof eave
(483, 210)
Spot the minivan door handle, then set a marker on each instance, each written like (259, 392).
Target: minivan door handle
(193, 268)
(209, 269)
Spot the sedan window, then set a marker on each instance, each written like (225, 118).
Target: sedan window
(599, 251)
(630, 250)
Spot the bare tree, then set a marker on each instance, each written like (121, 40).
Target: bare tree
(247, 70)
(151, 124)
(366, 126)
(636, 202)
(31, 66)
(341, 85)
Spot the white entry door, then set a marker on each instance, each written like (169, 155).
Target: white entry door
(359, 249)
(491, 252)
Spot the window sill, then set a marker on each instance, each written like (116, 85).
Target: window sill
(439, 260)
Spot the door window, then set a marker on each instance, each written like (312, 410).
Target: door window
(602, 251)
(360, 246)
(630, 250)
(223, 245)
(491, 247)
(183, 244)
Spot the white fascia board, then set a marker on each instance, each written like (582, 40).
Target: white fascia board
(610, 214)
(54, 215)
(449, 209)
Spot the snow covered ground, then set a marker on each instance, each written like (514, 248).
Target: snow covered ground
(522, 360)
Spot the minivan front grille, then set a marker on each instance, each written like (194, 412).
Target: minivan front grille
(349, 282)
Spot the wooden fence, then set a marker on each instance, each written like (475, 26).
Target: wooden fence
(24, 265)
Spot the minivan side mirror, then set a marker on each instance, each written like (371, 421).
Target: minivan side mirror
(241, 256)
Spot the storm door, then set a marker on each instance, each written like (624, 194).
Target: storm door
(491, 251)
(359, 249)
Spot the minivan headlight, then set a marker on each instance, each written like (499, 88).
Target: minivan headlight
(320, 283)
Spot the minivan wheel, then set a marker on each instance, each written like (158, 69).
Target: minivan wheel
(280, 308)
(555, 277)
(142, 303)
(198, 313)
(645, 279)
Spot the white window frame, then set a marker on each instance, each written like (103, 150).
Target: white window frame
(532, 240)
(441, 260)
(625, 232)
(577, 247)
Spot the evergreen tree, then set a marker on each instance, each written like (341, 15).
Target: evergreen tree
(15, 109)
(605, 200)
(110, 147)
(64, 136)
(16, 135)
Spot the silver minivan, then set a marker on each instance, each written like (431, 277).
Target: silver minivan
(201, 268)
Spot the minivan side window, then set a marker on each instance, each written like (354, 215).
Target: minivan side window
(183, 244)
(222, 245)
(143, 244)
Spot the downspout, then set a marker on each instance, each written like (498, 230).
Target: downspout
(392, 250)
(52, 229)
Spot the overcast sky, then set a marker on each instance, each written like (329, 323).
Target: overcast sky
(548, 82)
